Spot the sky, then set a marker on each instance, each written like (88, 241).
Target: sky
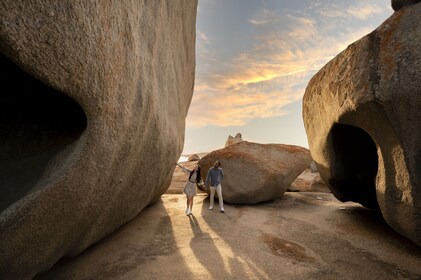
(254, 59)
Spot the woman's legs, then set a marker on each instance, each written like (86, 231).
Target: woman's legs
(187, 201)
(189, 204)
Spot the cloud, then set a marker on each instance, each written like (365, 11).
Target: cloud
(364, 10)
(248, 101)
(264, 16)
(360, 11)
(202, 36)
(271, 72)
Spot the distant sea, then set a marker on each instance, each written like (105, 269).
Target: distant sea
(183, 159)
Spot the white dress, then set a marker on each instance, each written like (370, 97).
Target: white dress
(190, 187)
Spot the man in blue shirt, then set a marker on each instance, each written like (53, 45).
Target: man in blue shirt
(214, 180)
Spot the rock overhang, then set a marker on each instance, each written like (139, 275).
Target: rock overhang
(371, 91)
(37, 122)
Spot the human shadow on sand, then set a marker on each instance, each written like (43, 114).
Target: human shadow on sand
(337, 238)
(125, 252)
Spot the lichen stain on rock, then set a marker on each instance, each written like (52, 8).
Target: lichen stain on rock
(389, 47)
(288, 249)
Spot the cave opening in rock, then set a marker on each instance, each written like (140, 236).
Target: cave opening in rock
(36, 122)
(354, 165)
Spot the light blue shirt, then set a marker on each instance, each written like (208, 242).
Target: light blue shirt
(214, 177)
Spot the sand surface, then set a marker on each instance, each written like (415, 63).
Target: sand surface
(299, 236)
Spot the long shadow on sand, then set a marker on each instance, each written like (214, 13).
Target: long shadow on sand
(122, 254)
(206, 251)
(318, 237)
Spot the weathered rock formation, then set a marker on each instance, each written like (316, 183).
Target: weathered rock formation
(92, 115)
(399, 4)
(361, 113)
(233, 140)
(257, 172)
(309, 181)
(194, 157)
(313, 167)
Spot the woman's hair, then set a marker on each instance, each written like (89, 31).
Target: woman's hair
(198, 176)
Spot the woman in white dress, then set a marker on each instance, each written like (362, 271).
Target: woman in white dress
(195, 176)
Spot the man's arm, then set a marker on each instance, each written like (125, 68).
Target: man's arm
(208, 179)
(222, 174)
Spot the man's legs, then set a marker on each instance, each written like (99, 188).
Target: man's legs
(221, 201)
(212, 195)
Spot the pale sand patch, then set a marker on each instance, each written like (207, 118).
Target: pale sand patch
(300, 236)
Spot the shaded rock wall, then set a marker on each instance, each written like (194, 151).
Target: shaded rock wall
(93, 111)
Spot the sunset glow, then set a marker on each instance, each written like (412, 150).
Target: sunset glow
(255, 58)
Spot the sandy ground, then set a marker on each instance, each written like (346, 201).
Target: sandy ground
(299, 236)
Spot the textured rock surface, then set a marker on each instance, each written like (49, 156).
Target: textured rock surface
(257, 172)
(92, 139)
(361, 114)
(234, 140)
(399, 4)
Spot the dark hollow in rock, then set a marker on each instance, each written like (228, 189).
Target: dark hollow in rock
(354, 164)
(36, 122)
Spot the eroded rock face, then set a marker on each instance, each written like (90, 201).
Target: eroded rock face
(257, 172)
(92, 117)
(361, 113)
(234, 140)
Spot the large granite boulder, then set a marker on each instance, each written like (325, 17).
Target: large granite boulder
(92, 116)
(362, 117)
(257, 172)
(399, 4)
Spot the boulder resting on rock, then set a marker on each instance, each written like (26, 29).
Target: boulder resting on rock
(255, 172)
